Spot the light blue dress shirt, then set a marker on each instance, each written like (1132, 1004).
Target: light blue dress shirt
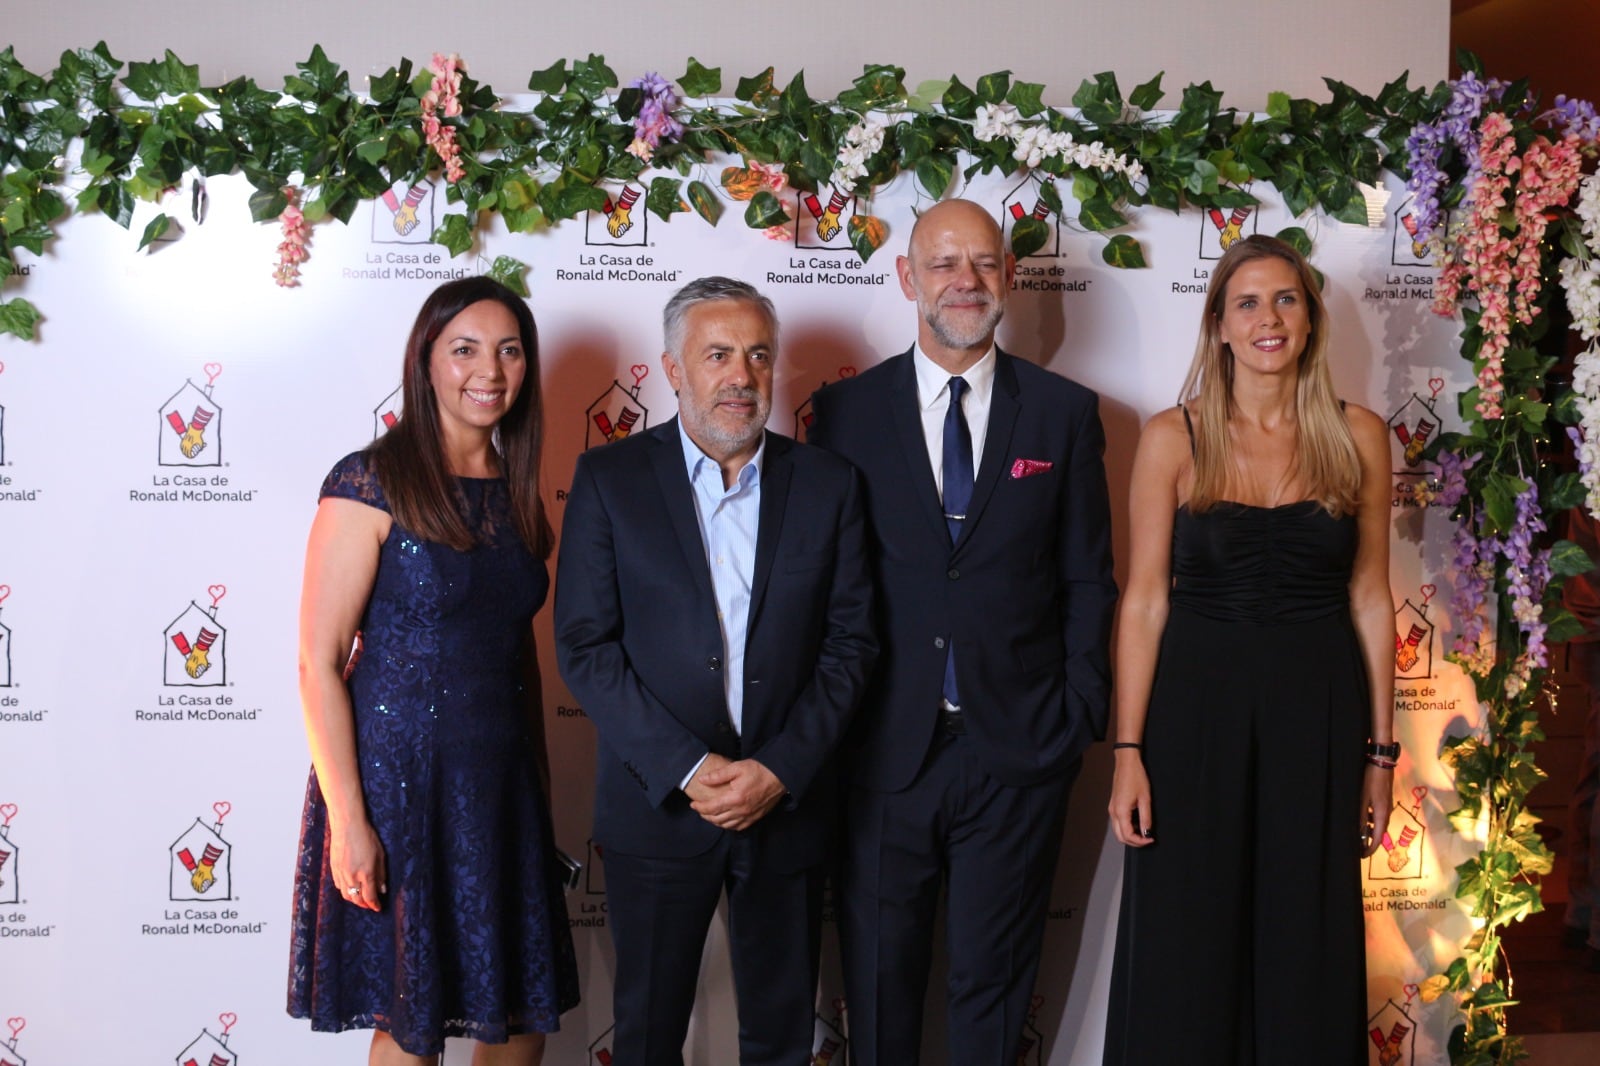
(729, 519)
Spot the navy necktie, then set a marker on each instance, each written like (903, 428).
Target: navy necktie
(957, 461)
(957, 497)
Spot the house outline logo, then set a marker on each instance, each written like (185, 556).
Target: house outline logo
(620, 223)
(1400, 855)
(9, 1055)
(191, 424)
(802, 414)
(1393, 1032)
(600, 1050)
(1408, 251)
(828, 220)
(406, 213)
(5, 640)
(10, 858)
(1414, 637)
(1411, 426)
(195, 652)
(618, 412)
(210, 1049)
(200, 861)
(1221, 226)
(1027, 201)
(387, 413)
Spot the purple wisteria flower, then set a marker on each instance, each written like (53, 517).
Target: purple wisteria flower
(654, 123)
(1453, 477)
(1427, 141)
(1573, 116)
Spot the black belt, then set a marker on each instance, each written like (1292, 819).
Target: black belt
(951, 722)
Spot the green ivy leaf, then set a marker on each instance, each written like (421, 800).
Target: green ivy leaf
(1027, 97)
(1123, 251)
(154, 231)
(267, 204)
(1569, 560)
(1099, 99)
(934, 172)
(757, 89)
(662, 199)
(1296, 238)
(512, 273)
(19, 317)
(1566, 491)
(699, 80)
(992, 88)
(705, 202)
(867, 234)
(321, 74)
(764, 211)
(960, 101)
(592, 77)
(880, 84)
(927, 94)
(1028, 235)
(629, 101)
(117, 202)
(1148, 95)
(551, 80)
(1500, 500)
(455, 234)
(1099, 213)
(143, 80)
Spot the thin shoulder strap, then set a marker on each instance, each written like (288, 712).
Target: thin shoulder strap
(1188, 425)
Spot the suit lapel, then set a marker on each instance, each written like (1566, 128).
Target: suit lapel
(777, 469)
(903, 405)
(1003, 408)
(672, 477)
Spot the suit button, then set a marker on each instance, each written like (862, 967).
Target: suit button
(714, 663)
(952, 573)
(938, 642)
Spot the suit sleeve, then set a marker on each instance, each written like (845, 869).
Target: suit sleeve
(655, 748)
(1089, 588)
(817, 720)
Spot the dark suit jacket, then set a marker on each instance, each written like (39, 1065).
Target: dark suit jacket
(1027, 592)
(639, 645)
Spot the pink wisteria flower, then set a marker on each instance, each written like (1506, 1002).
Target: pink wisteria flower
(292, 249)
(444, 98)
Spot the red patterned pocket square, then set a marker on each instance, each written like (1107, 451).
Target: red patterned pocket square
(1029, 467)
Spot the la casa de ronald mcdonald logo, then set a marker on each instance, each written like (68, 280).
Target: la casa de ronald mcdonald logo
(9, 1056)
(191, 424)
(618, 412)
(10, 889)
(196, 653)
(211, 1049)
(201, 861)
(1393, 1032)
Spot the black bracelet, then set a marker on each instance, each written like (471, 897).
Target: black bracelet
(1119, 745)
(1390, 750)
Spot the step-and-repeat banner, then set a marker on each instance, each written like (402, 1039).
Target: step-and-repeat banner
(161, 447)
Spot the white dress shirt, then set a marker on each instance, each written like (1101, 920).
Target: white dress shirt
(933, 399)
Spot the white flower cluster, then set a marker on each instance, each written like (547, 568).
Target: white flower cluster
(1580, 279)
(997, 121)
(1038, 143)
(862, 142)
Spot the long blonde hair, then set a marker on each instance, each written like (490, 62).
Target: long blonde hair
(1325, 451)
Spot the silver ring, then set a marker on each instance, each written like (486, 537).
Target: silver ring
(353, 890)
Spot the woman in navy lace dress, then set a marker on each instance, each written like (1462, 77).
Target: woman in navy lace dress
(1254, 755)
(427, 901)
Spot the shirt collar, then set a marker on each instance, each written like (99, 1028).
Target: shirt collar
(749, 474)
(933, 379)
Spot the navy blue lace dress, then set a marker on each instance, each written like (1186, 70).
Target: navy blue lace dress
(472, 939)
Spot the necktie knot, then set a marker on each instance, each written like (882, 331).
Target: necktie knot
(958, 389)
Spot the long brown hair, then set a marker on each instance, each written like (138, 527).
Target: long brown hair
(1325, 450)
(409, 459)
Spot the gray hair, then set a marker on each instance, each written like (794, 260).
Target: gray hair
(705, 290)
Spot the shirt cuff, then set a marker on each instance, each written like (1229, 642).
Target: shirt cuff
(684, 784)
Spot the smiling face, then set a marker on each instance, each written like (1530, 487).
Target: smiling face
(476, 368)
(959, 273)
(723, 377)
(1265, 319)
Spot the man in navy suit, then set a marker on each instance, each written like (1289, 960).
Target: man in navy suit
(990, 538)
(713, 616)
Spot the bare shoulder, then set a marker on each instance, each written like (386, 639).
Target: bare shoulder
(1165, 435)
(1366, 426)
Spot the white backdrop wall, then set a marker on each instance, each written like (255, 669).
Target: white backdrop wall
(109, 767)
(118, 554)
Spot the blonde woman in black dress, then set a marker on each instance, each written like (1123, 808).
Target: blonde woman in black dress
(1254, 755)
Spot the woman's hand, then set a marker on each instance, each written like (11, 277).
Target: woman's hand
(1377, 799)
(1132, 817)
(356, 859)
